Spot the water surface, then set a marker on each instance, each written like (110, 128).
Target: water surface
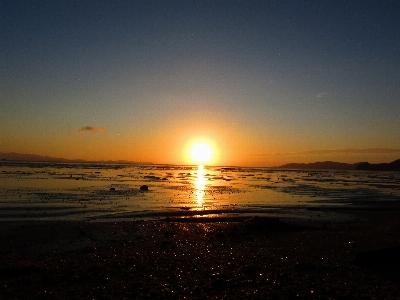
(104, 192)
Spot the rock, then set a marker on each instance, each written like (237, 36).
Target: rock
(144, 188)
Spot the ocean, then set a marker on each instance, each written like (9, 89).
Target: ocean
(112, 192)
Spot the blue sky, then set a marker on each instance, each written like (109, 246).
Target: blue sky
(266, 82)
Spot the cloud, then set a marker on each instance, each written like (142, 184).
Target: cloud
(322, 95)
(92, 129)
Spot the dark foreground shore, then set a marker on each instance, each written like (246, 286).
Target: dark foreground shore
(255, 258)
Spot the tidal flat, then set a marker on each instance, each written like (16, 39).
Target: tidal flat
(87, 231)
(107, 192)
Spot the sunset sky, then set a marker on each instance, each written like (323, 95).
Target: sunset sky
(262, 82)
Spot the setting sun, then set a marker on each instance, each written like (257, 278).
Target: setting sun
(201, 153)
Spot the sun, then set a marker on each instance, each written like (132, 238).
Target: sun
(201, 153)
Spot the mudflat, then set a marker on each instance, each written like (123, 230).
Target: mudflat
(200, 259)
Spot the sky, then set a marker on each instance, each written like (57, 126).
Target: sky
(264, 83)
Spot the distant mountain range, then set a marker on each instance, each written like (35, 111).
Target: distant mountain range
(331, 165)
(34, 157)
(393, 166)
(326, 165)
(39, 158)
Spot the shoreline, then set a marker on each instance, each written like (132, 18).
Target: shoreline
(104, 194)
(338, 212)
(257, 257)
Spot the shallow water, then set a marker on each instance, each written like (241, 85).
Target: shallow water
(103, 192)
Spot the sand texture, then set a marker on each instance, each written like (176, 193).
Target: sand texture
(255, 258)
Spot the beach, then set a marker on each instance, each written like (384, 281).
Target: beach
(88, 231)
(201, 259)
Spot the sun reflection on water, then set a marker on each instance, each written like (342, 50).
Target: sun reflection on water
(200, 185)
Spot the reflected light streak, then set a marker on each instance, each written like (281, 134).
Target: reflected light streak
(200, 185)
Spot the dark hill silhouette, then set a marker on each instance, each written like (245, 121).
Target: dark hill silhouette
(12, 156)
(33, 157)
(330, 165)
(327, 165)
(393, 166)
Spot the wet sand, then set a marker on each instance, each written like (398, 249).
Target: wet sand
(254, 258)
(102, 192)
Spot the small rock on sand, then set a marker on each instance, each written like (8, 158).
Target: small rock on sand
(144, 188)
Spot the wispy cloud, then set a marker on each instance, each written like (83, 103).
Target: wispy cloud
(93, 129)
(322, 95)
